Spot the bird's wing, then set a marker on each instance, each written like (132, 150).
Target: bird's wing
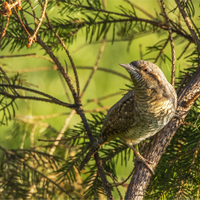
(119, 117)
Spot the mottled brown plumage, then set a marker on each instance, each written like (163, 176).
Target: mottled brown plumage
(141, 112)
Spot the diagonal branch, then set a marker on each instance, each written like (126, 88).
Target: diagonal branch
(141, 9)
(189, 25)
(60, 67)
(79, 111)
(96, 155)
(50, 99)
(59, 136)
(171, 41)
(161, 51)
(95, 65)
(161, 140)
(69, 56)
(129, 18)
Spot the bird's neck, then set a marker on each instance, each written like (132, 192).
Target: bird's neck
(145, 95)
(148, 95)
(154, 99)
(142, 91)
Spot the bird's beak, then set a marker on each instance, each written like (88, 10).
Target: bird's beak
(126, 66)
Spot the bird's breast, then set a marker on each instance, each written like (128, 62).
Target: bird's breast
(152, 114)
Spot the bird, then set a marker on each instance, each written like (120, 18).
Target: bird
(141, 112)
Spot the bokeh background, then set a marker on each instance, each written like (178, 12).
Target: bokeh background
(84, 53)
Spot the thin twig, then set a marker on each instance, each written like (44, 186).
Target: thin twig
(45, 116)
(8, 80)
(104, 97)
(32, 135)
(64, 139)
(33, 150)
(196, 29)
(161, 51)
(95, 65)
(60, 67)
(193, 98)
(33, 38)
(30, 90)
(104, 4)
(59, 136)
(23, 140)
(16, 14)
(35, 170)
(33, 69)
(27, 55)
(7, 7)
(27, 120)
(184, 50)
(189, 25)
(15, 56)
(70, 58)
(24, 17)
(117, 184)
(97, 60)
(4, 30)
(171, 41)
(37, 99)
(99, 42)
(34, 16)
(131, 18)
(187, 75)
(50, 100)
(137, 19)
(111, 176)
(80, 112)
(107, 70)
(65, 88)
(96, 155)
(141, 9)
(97, 109)
(78, 67)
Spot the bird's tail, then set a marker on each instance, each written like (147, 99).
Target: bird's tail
(95, 147)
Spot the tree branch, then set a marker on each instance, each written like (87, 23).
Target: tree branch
(50, 100)
(137, 19)
(79, 111)
(56, 61)
(161, 140)
(96, 156)
(189, 25)
(171, 42)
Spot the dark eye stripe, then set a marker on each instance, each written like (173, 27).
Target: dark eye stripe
(157, 78)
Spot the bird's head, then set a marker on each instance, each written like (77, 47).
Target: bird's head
(146, 75)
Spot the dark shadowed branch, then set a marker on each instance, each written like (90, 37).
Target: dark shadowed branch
(159, 143)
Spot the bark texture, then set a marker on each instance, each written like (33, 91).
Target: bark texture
(159, 143)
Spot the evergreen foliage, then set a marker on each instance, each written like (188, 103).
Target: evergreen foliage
(31, 171)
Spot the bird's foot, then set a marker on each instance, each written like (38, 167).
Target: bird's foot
(146, 162)
(140, 158)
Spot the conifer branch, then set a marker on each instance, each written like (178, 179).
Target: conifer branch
(189, 25)
(171, 41)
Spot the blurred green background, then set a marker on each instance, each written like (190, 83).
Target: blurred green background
(85, 54)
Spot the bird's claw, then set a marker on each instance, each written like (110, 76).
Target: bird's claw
(146, 162)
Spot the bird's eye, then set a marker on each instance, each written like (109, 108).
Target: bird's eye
(147, 69)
